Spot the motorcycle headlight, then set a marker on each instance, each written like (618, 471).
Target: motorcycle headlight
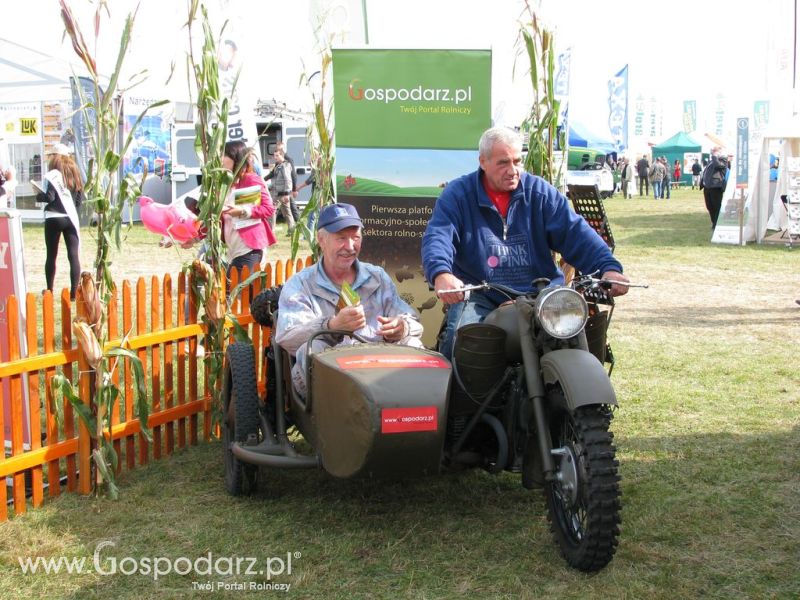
(562, 312)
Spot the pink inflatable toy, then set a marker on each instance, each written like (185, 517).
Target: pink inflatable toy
(167, 220)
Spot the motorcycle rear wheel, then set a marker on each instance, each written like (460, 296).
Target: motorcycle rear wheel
(240, 418)
(583, 499)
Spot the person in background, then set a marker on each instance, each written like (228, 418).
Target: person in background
(292, 204)
(656, 175)
(625, 177)
(713, 184)
(62, 196)
(283, 186)
(245, 228)
(666, 183)
(676, 171)
(643, 171)
(696, 171)
(308, 301)
(500, 224)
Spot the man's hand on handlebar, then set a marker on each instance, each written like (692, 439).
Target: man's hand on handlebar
(448, 281)
(616, 290)
(350, 318)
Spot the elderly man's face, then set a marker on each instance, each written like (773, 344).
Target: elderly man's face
(502, 167)
(340, 249)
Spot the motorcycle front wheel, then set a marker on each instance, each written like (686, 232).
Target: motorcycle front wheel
(583, 498)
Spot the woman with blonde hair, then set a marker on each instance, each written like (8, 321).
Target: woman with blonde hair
(62, 195)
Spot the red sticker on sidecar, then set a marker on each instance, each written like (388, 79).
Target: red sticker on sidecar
(402, 420)
(391, 361)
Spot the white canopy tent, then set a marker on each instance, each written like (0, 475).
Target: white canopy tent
(766, 210)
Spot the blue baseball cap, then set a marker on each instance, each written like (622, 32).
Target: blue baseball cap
(336, 217)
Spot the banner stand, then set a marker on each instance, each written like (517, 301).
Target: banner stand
(12, 281)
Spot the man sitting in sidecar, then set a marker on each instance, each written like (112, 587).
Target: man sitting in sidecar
(309, 299)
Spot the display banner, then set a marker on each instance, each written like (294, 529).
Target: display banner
(561, 93)
(12, 282)
(407, 122)
(618, 109)
(21, 123)
(83, 92)
(742, 151)
(689, 115)
(150, 148)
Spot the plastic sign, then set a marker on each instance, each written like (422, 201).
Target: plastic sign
(742, 151)
(12, 282)
(404, 420)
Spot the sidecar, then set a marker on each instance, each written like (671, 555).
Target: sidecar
(371, 410)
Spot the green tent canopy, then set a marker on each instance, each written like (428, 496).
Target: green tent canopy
(674, 149)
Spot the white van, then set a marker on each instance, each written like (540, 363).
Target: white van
(271, 123)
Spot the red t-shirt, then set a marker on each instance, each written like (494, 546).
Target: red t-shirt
(499, 199)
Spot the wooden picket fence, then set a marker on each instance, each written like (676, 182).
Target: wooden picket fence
(160, 324)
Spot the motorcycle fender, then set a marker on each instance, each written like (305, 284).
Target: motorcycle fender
(581, 375)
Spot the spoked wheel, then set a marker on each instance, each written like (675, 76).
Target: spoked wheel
(583, 498)
(240, 421)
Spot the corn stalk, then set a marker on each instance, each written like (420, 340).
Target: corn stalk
(211, 129)
(540, 125)
(107, 195)
(323, 160)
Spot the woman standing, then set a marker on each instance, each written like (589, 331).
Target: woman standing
(245, 226)
(676, 171)
(62, 195)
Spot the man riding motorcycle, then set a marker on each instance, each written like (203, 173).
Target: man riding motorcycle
(499, 224)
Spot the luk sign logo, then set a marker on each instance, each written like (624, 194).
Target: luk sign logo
(28, 126)
(3, 252)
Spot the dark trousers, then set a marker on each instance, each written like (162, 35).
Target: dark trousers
(251, 259)
(53, 230)
(713, 198)
(644, 184)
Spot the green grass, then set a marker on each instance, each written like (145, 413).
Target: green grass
(708, 437)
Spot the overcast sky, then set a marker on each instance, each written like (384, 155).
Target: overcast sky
(676, 49)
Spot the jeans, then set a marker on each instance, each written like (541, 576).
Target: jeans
(657, 189)
(665, 187)
(644, 185)
(472, 310)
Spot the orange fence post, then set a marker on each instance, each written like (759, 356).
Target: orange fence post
(141, 329)
(18, 480)
(51, 426)
(69, 415)
(35, 421)
(127, 327)
(155, 363)
(166, 311)
(193, 373)
(85, 378)
(182, 280)
(112, 326)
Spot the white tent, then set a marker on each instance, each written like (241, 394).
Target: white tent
(766, 210)
(27, 75)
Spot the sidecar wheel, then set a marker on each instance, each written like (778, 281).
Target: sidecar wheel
(240, 417)
(583, 500)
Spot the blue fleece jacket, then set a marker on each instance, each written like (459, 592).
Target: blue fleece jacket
(466, 235)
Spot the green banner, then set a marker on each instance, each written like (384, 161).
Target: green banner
(411, 98)
(407, 123)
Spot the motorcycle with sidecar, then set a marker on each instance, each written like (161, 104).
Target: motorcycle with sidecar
(526, 392)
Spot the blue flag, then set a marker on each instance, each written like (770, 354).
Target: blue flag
(83, 92)
(618, 108)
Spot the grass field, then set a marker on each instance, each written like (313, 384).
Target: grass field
(708, 437)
